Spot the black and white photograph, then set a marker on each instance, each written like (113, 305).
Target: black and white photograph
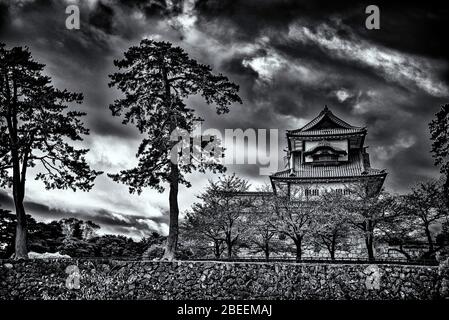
(215, 150)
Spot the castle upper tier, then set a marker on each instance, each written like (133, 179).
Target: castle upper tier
(327, 153)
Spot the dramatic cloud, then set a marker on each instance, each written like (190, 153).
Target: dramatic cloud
(290, 58)
(404, 69)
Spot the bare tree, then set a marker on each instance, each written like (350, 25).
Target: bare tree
(399, 231)
(425, 206)
(261, 234)
(331, 221)
(367, 210)
(219, 217)
(231, 208)
(294, 218)
(200, 225)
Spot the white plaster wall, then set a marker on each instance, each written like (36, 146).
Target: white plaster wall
(297, 191)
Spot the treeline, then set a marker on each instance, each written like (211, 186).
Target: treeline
(227, 221)
(76, 238)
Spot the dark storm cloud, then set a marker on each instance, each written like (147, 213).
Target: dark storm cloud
(102, 17)
(406, 26)
(155, 8)
(403, 23)
(4, 15)
(79, 60)
(414, 28)
(252, 17)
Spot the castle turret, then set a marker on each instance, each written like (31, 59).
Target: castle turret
(326, 153)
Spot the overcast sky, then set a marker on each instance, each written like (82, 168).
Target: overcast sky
(290, 58)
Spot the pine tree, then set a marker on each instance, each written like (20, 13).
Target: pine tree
(36, 126)
(156, 78)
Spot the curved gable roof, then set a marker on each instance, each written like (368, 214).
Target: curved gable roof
(324, 121)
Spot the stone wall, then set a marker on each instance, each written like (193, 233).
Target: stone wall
(109, 279)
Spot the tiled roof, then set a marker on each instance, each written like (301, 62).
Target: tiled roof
(325, 132)
(354, 167)
(341, 127)
(250, 193)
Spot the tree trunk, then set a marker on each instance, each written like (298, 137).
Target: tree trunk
(429, 239)
(21, 248)
(369, 239)
(298, 249)
(267, 252)
(172, 239)
(229, 245)
(369, 246)
(18, 178)
(401, 251)
(405, 253)
(333, 245)
(217, 249)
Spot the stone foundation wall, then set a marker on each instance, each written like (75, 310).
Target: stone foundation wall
(109, 279)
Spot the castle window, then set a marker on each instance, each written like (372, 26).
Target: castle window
(312, 192)
(339, 191)
(347, 192)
